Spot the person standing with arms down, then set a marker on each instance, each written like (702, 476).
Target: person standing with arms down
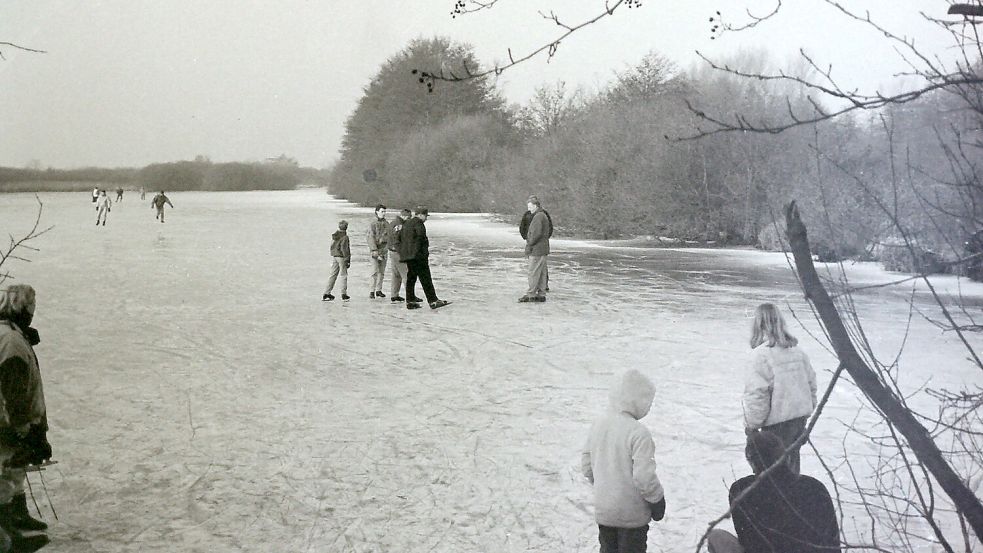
(341, 260)
(524, 233)
(377, 238)
(780, 384)
(399, 270)
(537, 248)
(414, 249)
(103, 207)
(158, 203)
(95, 195)
(24, 426)
(119, 194)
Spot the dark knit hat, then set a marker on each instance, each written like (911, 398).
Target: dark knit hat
(343, 224)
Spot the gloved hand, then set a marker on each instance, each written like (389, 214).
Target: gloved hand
(32, 449)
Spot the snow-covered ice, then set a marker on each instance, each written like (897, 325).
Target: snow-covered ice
(202, 398)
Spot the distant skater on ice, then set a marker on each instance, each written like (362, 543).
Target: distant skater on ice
(103, 206)
(341, 261)
(158, 203)
(780, 384)
(24, 426)
(119, 194)
(414, 249)
(619, 460)
(377, 238)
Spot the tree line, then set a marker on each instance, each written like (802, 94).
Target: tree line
(637, 157)
(200, 174)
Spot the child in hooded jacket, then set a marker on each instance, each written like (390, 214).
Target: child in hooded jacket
(619, 460)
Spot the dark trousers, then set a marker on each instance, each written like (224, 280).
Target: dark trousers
(623, 540)
(419, 269)
(789, 431)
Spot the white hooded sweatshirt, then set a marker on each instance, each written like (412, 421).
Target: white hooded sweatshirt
(619, 457)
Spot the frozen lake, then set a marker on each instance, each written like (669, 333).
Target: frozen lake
(202, 398)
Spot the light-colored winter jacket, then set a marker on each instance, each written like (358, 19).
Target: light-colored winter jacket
(377, 237)
(538, 235)
(21, 392)
(103, 202)
(779, 385)
(619, 457)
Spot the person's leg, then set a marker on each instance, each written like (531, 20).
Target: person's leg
(789, 431)
(608, 538)
(343, 274)
(536, 264)
(398, 272)
(633, 540)
(382, 272)
(333, 275)
(722, 541)
(423, 273)
(544, 282)
(411, 277)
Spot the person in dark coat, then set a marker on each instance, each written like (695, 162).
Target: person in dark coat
(414, 250)
(537, 249)
(784, 512)
(341, 261)
(524, 233)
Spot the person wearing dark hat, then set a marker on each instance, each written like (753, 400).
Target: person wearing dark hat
(341, 260)
(784, 512)
(414, 250)
(537, 248)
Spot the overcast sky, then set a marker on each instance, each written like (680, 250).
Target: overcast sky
(131, 82)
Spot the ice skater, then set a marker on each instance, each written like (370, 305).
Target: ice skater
(784, 512)
(95, 194)
(399, 270)
(619, 460)
(780, 384)
(377, 238)
(341, 260)
(103, 206)
(414, 249)
(24, 426)
(158, 203)
(143, 193)
(119, 194)
(537, 249)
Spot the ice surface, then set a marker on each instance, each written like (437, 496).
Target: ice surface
(202, 398)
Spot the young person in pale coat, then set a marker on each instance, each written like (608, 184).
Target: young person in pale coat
(780, 384)
(619, 460)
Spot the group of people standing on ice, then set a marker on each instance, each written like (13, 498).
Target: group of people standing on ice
(775, 509)
(104, 205)
(404, 241)
(404, 245)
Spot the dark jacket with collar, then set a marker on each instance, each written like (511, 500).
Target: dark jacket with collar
(413, 241)
(20, 380)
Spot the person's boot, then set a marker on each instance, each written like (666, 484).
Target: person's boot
(22, 517)
(380, 295)
(19, 542)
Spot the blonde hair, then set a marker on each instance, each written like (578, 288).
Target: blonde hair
(769, 328)
(15, 300)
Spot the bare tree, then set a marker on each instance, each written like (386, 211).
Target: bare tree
(16, 245)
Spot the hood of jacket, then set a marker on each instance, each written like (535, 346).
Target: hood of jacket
(338, 234)
(633, 394)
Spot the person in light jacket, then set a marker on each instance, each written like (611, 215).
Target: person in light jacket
(619, 460)
(377, 238)
(779, 384)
